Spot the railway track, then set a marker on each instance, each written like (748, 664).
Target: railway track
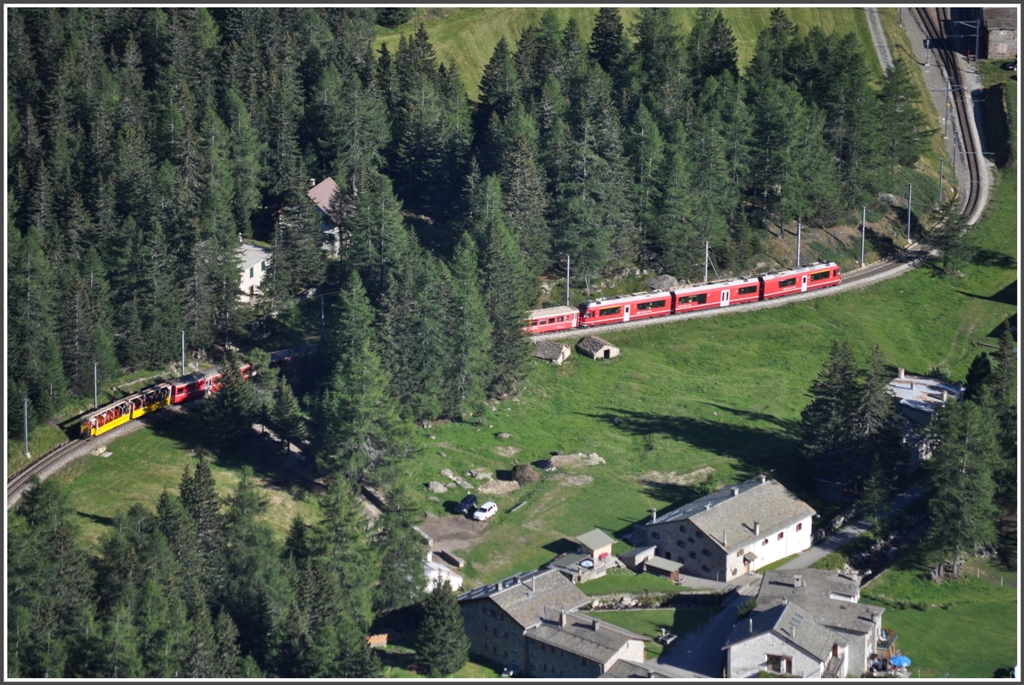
(45, 465)
(904, 261)
(934, 21)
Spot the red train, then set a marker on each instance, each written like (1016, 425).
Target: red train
(645, 305)
(190, 387)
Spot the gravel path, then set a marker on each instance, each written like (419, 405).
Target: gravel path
(878, 37)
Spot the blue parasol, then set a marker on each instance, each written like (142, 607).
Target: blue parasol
(900, 661)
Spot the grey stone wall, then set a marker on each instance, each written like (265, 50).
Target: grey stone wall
(497, 636)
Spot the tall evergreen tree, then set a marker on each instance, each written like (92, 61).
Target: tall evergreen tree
(826, 424)
(442, 646)
(470, 362)
(229, 413)
(902, 131)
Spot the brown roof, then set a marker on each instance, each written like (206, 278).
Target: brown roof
(322, 193)
(544, 349)
(579, 637)
(527, 597)
(592, 344)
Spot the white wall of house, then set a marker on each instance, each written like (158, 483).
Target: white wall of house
(748, 658)
(633, 650)
(792, 542)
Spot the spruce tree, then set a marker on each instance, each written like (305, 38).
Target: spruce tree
(952, 235)
(442, 646)
(286, 416)
(826, 424)
(470, 327)
(230, 411)
(902, 131)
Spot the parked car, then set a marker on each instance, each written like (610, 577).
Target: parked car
(486, 511)
(466, 505)
(1011, 66)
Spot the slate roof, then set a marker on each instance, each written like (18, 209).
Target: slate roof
(723, 514)
(1000, 18)
(545, 349)
(252, 255)
(525, 596)
(592, 344)
(579, 637)
(595, 539)
(792, 623)
(624, 668)
(663, 564)
(322, 193)
(822, 593)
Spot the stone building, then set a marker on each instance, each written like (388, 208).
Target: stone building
(833, 599)
(596, 348)
(920, 397)
(528, 622)
(1000, 32)
(732, 531)
(785, 640)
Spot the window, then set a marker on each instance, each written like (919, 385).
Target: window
(650, 305)
(583, 660)
(543, 648)
(693, 555)
(705, 552)
(682, 529)
(694, 299)
(667, 555)
(764, 542)
(835, 273)
(748, 290)
(705, 568)
(263, 266)
(534, 322)
(700, 534)
(799, 527)
(820, 275)
(608, 311)
(561, 319)
(551, 320)
(789, 282)
(779, 536)
(250, 271)
(656, 536)
(734, 571)
(739, 552)
(680, 543)
(691, 540)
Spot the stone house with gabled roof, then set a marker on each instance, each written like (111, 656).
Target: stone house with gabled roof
(528, 622)
(731, 532)
(597, 348)
(833, 599)
(785, 640)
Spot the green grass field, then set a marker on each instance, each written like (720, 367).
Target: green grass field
(959, 629)
(467, 36)
(624, 580)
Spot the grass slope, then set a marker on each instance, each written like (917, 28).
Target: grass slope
(467, 36)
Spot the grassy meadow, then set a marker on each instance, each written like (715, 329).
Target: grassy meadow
(467, 36)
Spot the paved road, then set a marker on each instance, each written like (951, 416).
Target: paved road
(855, 529)
(699, 654)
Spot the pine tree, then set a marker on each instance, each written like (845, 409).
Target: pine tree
(470, 328)
(401, 581)
(961, 509)
(711, 47)
(902, 129)
(244, 154)
(499, 92)
(442, 646)
(826, 424)
(952, 235)
(286, 417)
(230, 411)
(608, 46)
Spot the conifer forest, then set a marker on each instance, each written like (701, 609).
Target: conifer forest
(144, 143)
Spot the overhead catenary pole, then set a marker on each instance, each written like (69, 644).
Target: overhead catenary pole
(910, 200)
(567, 280)
(24, 401)
(863, 229)
(705, 261)
(95, 384)
(183, 353)
(799, 229)
(322, 331)
(940, 181)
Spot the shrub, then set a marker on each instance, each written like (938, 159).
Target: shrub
(524, 473)
(746, 607)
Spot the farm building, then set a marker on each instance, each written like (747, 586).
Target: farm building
(528, 622)
(732, 531)
(634, 558)
(1000, 32)
(553, 352)
(596, 348)
(662, 567)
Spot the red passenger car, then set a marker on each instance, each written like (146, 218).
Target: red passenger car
(800, 280)
(551, 319)
(194, 385)
(715, 294)
(624, 308)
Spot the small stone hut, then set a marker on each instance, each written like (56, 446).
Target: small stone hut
(553, 352)
(596, 348)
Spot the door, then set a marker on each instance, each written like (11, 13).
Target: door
(803, 283)
(625, 317)
(725, 298)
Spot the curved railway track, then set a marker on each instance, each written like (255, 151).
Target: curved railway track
(43, 467)
(934, 20)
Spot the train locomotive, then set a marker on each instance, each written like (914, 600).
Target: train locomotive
(646, 305)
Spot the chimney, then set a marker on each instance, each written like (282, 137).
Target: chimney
(654, 515)
(945, 396)
(663, 632)
(596, 625)
(899, 373)
(798, 580)
(725, 537)
(751, 624)
(762, 479)
(312, 182)
(757, 528)
(735, 491)
(562, 620)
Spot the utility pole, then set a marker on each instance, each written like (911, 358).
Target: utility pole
(322, 330)
(24, 401)
(940, 181)
(567, 281)
(799, 229)
(863, 229)
(945, 119)
(899, 21)
(910, 199)
(705, 261)
(183, 353)
(95, 395)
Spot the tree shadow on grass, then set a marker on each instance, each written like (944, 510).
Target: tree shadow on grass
(96, 518)
(1000, 260)
(277, 469)
(562, 546)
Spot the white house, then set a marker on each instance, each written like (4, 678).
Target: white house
(255, 261)
(785, 639)
(732, 531)
(321, 194)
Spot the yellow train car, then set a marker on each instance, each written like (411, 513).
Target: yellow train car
(124, 410)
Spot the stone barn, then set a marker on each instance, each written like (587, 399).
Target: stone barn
(553, 352)
(596, 348)
(1000, 32)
